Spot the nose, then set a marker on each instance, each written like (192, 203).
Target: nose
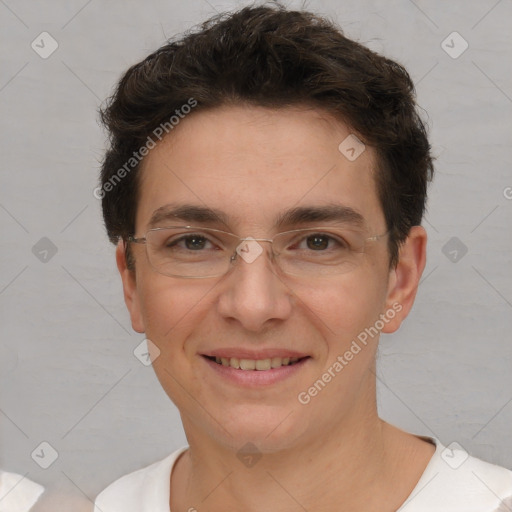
(253, 292)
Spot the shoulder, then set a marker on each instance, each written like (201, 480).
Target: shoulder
(146, 489)
(455, 482)
(18, 492)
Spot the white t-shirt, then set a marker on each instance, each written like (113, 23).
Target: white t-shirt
(18, 493)
(452, 482)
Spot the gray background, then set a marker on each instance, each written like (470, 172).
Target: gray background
(68, 373)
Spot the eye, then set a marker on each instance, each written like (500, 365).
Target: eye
(321, 242)
(318, 242)
(192, 242)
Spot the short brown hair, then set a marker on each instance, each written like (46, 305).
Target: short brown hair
(273, 57)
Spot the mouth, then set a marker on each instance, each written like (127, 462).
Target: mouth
(256, 372)
(255, 364)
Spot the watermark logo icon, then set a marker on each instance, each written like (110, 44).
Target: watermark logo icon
(454, 45)
(44, 45)
(146, 352)
(44, 250)
(351, 147)
(454, 455)
(454, 249)
(249, 249)
(44, 455)
(249, 455)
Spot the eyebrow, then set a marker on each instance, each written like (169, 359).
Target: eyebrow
(295, 216)
(323, 213)
(187, 213)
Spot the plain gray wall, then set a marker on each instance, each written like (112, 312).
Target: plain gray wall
(68, 373)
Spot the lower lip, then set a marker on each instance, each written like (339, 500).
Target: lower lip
(255, 378)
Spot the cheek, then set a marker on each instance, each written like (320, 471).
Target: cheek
(342, 310)
(170, 309)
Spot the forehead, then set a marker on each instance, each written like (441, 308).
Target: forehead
(253, 164)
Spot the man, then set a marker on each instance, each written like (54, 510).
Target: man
(265, 186)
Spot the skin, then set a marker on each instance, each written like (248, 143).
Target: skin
(253, 163)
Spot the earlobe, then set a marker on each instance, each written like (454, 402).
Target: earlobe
(131, 297)
(405, 277)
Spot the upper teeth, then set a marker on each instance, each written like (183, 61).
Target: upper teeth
(256, 364)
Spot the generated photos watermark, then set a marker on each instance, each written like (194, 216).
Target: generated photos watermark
(157, 135)
(357, 345)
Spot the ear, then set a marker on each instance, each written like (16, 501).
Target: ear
(131, 297)
(405, 277)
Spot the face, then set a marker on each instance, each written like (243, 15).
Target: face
(254, 165)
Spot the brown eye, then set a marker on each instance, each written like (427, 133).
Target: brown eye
(192, 242)
(318, 242)
(195, 242)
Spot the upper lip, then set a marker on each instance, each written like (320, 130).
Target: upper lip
(240, 353)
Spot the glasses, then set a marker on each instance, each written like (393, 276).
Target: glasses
(191, 252)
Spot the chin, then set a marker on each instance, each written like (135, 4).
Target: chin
(268, 428)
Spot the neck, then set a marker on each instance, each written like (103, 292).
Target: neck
(365, 464)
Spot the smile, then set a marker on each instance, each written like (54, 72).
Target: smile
(256, 371)
(255, 364)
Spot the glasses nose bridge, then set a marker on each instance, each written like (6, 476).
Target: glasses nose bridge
(241, 240)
